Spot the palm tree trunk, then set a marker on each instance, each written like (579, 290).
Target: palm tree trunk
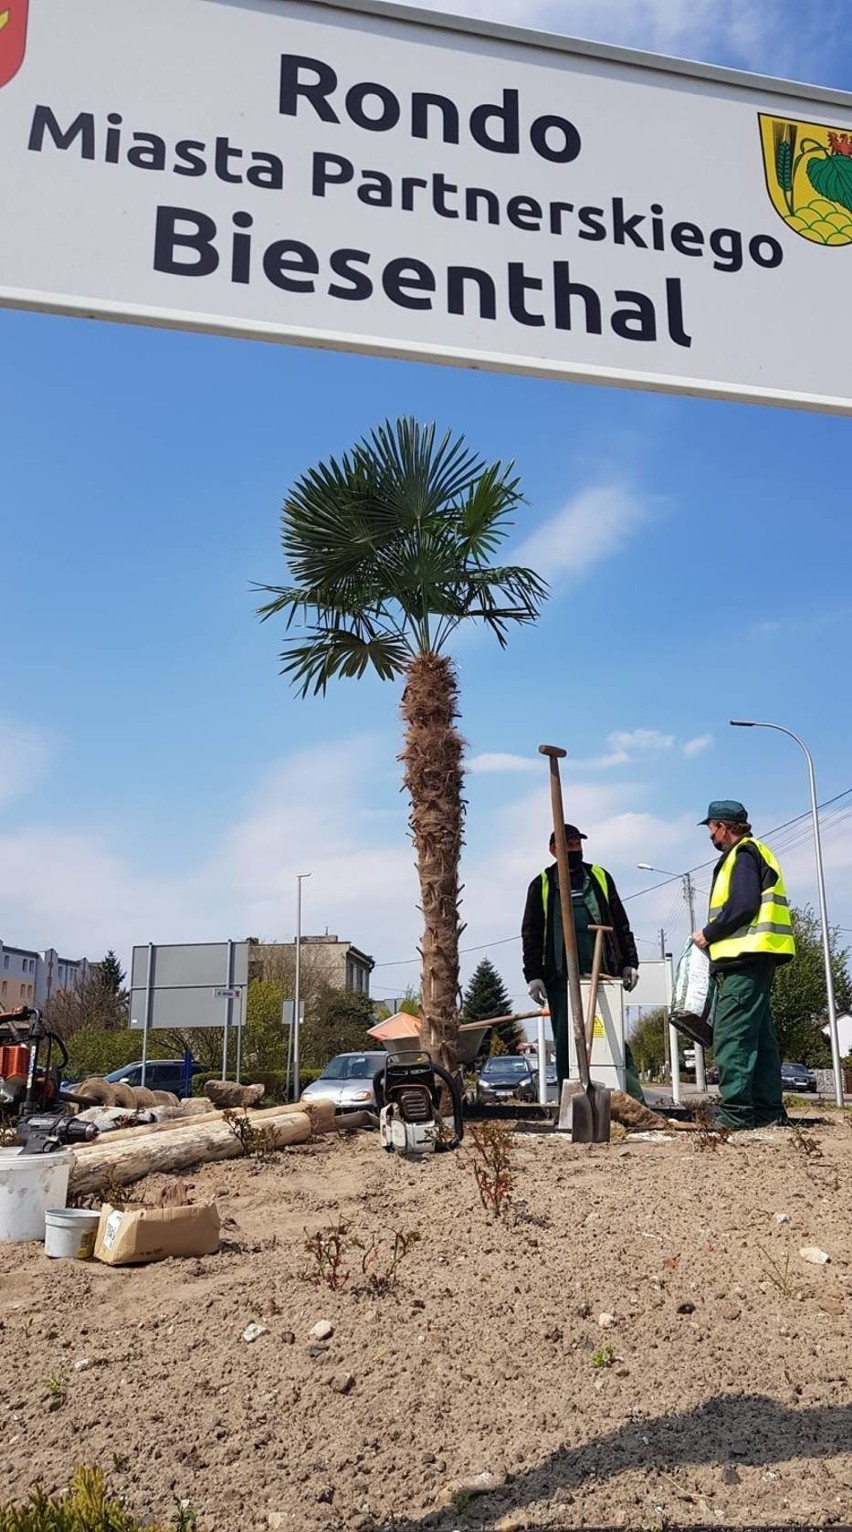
(433, 778)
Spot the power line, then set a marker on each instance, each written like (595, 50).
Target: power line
(832, 822)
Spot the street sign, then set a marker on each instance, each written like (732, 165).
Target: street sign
(287, 1011)
(226, 994)
(380, 178)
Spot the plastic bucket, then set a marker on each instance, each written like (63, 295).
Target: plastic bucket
(29, 1184)
(70, 1233)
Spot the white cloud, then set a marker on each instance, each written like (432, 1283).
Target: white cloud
(490, 763)
(24, 755)
(640, 739)
(697, 746)
(593, 526)
(747, 33)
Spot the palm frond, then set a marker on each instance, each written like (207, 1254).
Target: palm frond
(387, 550)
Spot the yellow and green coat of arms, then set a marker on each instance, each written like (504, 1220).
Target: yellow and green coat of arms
(809, 177)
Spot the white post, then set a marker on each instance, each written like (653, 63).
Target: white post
(542, 1060)
(739, 723)
(673, 1036)
(297, 997)
(146, 1018)
(689, 896)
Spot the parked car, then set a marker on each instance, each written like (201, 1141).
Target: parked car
(796, 1077)
(505, 1076)
(349, 1081)
(160, 1074)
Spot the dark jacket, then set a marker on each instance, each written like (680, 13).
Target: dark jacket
(619, 949)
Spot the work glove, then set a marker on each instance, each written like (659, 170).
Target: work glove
(537, 992)
(629, 978)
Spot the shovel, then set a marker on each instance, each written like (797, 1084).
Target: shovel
(585, 1109)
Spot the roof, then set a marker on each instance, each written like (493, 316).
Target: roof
(399, 1025)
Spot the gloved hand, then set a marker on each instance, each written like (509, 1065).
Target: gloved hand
(629, 978)
(537, 992)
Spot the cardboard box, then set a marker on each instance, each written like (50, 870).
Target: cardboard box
(132, 1235)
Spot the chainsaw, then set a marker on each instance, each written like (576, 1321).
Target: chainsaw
(32, 1059)
(409, 1094)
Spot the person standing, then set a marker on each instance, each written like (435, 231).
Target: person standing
(595, 902)
(748, 934)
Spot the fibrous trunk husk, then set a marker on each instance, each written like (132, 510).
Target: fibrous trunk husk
(433, 777)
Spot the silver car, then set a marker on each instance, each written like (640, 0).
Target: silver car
(349, 1081)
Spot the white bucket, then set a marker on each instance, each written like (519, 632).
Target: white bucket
(29, 1184)
(70, 1232)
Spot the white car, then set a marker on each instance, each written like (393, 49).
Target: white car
(349, 1081)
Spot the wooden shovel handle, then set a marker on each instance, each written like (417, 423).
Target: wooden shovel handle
(569, 932)
(597, 965)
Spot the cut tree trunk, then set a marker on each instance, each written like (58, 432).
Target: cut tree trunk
(118, 1162)
(433, 778)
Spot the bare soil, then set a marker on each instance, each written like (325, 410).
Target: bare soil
(725, 1401)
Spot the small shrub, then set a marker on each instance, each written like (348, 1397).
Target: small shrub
(88, 1506)
(603, 1357)
(256, 1143)
(327, 1250)
(491, 1160)
(777, 1274)
(380, 1267)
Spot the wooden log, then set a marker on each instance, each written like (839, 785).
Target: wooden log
(116, 1162)
(188, 1120)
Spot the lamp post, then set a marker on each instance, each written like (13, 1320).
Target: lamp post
(689, 900)
(747, 723)
(297, 997)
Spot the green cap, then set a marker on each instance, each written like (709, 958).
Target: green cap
(727, 810)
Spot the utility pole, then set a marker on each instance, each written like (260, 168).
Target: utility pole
(297, 998)
(689, 899)
(666, 1050)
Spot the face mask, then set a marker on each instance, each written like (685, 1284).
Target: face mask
(718, 841)
(575, 860)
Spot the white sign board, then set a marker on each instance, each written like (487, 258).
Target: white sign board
(381, 179)
(175, 986)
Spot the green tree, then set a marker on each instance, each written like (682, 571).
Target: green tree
(799, 1003)
(647, 1041)
(96, 1002)
(486, 996)
(111, 973)
(389, 551)
(337, 1023)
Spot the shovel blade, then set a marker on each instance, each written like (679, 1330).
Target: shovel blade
(585, 1114)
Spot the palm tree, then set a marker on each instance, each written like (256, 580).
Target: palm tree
(388, 550)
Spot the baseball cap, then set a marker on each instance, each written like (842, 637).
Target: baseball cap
(726, 809)
(572, 833)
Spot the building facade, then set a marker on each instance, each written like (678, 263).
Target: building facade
(323, 959)
(28, 977)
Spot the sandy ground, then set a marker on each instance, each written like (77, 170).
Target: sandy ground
(726, 1401)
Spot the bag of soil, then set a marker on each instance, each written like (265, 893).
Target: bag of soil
(694, 997)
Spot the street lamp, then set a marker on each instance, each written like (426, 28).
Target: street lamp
(746, 723)
(689, 899)
(297, 997)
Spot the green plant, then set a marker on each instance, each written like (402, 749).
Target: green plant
(603, 1357)
(380, 1267)
(490, 1156)
(87, 1506)
(461, 1500)
(327, 1250)
(256, 1143)
(805, 1143)
(56, 1388)
(388, 550)
(777, 1274)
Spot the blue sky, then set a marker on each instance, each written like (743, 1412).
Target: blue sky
(159, 782)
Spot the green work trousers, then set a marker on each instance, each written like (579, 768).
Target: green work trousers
(745, 1047)
(557, 999)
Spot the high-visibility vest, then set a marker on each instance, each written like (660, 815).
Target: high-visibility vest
(771, 931)
(600, 877)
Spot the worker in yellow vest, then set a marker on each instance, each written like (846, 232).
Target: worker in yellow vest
(747, 935)
(595, 902)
